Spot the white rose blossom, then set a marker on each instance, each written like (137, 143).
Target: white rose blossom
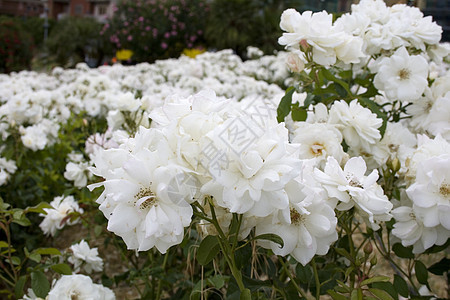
(83, 256)
(430, 191)
(80, 287)
(409, 228)
(316, 30)
(137, 199)
(352, 188)
(55, 218)
(318, 141)
(402, 76)
(307, 226)
(7, 168)
(358, 124)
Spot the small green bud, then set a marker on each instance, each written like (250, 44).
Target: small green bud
(394, 165)
(373, 260)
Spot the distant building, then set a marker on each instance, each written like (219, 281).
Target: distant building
(25, 8)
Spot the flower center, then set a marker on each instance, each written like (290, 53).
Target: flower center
(317, 149)
(444, 189)
(393, 147)
(296, 217)
(74, 296)
(145, 198)
(404, 74)
(352, 181)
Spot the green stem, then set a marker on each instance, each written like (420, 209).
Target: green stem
(292, 279)
(235, 240)
(8, 238)
(383, 251)
(316, 278)
(158, 292)
(226, 250)
(229, 257)
(7, 281)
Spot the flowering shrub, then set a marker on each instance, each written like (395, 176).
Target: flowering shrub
(16, 46)
(75, 39)
(229, 192)
(156, 29)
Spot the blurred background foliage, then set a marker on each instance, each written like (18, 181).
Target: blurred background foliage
(150, 29)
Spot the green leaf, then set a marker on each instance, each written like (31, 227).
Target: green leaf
(336, 296)
(375, 279)
(299, 114)
(47, 251)
(331, 77)
(208, 249)
(387, 287)
(20, 284)
(344, 253)
(39, 284)
(343, 286)
(38, 208)
(340, 90)
(15, 260)
(234, 227)
(421, 272)
(246, 295)
(356, 295)
(440, 267)
(35, 257)
(304, 273)
(349, 271)
(401, 286)
(18, 213)
(403, 252)
(380, 294)
(436, 249)
(98, 230)
(63, 269)
(347, 74)
(217, 281)
(271, 237)
(20, 218)
(4, 244)
(196, 291)
(308, 100)
(285, 105)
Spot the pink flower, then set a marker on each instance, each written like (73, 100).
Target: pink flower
(164, 45)
(130, 38)
(167, 35)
